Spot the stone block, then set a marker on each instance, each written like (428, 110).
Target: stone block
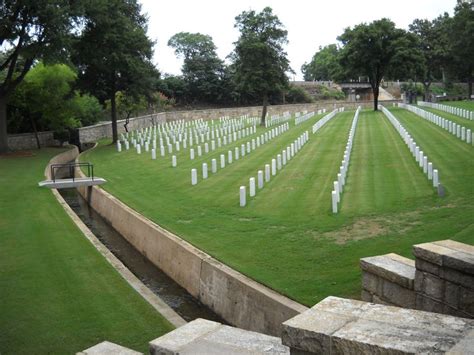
(466, 301)
(371, 283)
(457, 277)
(451, 294)
(366, 296)
(398, 295)
(205, 337)
(426, 266)
(341, 326)
(418, 285)
(447, 253)
(108, 348)
(433, 286)
(392, 267)
(427, 304)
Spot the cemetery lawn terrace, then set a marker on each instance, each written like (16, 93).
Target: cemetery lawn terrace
(449, 116)
(58, 294)
(467, 105)
(286, 237)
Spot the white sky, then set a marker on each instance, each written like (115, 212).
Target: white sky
(310, 23)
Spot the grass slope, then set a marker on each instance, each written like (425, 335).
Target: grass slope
(467, 105)
(58, 294)
(287, 237)
(456, 119)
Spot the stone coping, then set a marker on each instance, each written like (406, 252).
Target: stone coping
(392, 267)
(337, 325)
(108, 348)
(447, 253)
(155, 301)
(206, 337)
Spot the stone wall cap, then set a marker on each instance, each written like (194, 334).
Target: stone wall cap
(392, 267)
(206, 337)
(108, 348)
(447, 253)
(344, 326)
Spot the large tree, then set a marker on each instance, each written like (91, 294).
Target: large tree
(324, 65)
(202, 69)
(433, 45)
(259, 61)
(377, 49)
(114, 53)
(30, 30)
(461, 39)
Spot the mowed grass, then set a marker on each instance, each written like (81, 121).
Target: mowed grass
(287, 237)
(455, 118)
(57, 293)
(467, 105)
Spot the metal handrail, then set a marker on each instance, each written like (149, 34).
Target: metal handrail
(72, 167)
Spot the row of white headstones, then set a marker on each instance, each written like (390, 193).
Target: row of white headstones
(281, 160)
(300, 119)
(466, 135)
(277, 164)
(420, 157)
(278, 119)
(228, 134)
(450, 109)
(235, 154)
(341, 176)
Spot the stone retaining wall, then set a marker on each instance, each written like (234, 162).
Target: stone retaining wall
(103, 130)
(26, 141)
(236, 298)
(440, 280)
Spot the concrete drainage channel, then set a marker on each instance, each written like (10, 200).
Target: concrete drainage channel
(156, 280)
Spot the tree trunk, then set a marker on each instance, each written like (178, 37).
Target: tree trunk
(3, 125)
(264, 110)
(426, 95)
(113, 110)
(375, 90)
(35, 131)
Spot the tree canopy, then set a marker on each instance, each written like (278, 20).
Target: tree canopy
(114, 53)
(377, 49)
(31, 30)
(324, 65)
(260, 63)
(202, 69)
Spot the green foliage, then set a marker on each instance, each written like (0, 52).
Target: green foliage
(202, 69)
(114, 53)
(31, 30)
(376, 50)
(259, 61)
(461, 39)
(128, 106)
(46, 99)
(324, 65)
(297, 95)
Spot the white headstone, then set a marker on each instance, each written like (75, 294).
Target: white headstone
(119, 147)
(430, 171)
(243, 196)
(139, 149)
(252, 186)
(199, 150)
(435, 178)
(174, 161)
(191, 153)
(267, 172)
(279, 161)
(283, 156)
(222, 161)
(334, 201)
(204, 170)
(194, 176)
(260, 179)
(229, 156)
(153, 154)
(236, 153)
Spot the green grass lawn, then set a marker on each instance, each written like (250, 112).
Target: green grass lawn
(287, 237)
(57, 293)
(467, 105)
(456, 119)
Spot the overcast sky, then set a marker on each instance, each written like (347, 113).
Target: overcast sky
(310, 23)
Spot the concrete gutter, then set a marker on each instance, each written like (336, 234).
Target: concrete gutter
(156, 302)
(239, 300)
